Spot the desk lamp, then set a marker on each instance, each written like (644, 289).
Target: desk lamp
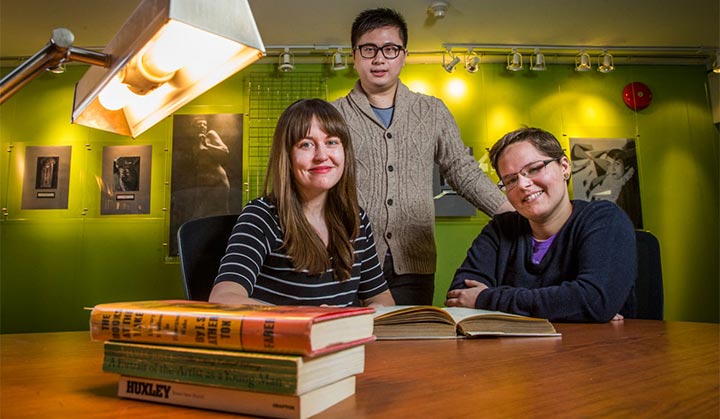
(167, 53)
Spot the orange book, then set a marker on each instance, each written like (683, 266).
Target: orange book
(301, 330)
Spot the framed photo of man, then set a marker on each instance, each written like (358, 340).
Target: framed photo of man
(126, 175)
(46, 181)
(206, 169)
(606, 169)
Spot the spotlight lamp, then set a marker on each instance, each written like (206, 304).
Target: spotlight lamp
(537, 61)
(450, 67)
(339, 61)
(716, 64)
(582, 61)
(472, 62)
(605, 62)
(167, 53)
(286, 61)
(514, 61)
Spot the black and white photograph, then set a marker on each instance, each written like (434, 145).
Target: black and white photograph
(206, 168)
(126, 180)
(607, 169)
(447, 202)
(46, 181)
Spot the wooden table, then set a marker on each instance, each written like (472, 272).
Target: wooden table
(634, 368)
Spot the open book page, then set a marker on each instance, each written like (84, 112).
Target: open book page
(459, 314)
(414, 322)
(477, 322)
(404, 313)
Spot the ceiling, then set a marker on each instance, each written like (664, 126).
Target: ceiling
(624, 23)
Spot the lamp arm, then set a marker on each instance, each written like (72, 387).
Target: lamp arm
(59, 50)
(87, 56)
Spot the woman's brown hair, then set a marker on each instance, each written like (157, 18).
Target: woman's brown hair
(301, 242)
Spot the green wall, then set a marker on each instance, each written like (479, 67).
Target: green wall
(53, 263)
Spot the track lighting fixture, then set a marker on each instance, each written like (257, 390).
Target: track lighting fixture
(605, 62)
(286, 61)
(582, 61)
(450, 67)
(588, 56)
(514, 61)
(537, 61)
(472, 62)
(339, 61)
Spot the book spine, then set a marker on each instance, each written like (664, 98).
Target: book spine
(255, 376)
(284, 374)
(229, 400)
(240, 331)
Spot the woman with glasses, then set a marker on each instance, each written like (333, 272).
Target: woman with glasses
(398, 136)
(554, 258)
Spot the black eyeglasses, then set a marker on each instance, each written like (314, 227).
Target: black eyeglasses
(530, 170)
(389, 51)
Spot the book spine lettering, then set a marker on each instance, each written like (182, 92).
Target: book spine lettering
(250, 377)
(240, 332)
(215, 398)
(236, 401)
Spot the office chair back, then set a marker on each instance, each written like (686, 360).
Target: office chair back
(201, 244)
(649, 283)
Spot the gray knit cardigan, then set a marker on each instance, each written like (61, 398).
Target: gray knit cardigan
(395, 173)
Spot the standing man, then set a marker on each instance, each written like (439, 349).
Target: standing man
(398, 135)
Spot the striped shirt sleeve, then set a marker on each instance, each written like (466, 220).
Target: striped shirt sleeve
(249, 245)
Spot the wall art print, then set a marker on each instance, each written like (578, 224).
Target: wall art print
(607, 169)
(206, 169)
(46, 180)
(126, 176)
(447, 202)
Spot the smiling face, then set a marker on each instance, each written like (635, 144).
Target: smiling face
(545, 196)
(379, 74)
(318, 162)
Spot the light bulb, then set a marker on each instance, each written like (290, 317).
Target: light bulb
(116, 94)
(169, 52)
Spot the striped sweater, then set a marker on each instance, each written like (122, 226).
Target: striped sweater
(255, 260)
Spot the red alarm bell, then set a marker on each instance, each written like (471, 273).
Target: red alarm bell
(637, 96)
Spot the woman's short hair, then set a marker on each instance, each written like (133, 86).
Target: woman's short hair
(543, 141)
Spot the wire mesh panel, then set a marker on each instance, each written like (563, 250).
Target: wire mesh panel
(268, 97)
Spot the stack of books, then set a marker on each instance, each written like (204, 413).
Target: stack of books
(276, 361)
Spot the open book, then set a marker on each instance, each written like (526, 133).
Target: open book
(430, 322)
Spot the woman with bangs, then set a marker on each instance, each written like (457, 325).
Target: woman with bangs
(306, 241)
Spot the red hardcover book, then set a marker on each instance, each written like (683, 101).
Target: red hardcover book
(301, 330)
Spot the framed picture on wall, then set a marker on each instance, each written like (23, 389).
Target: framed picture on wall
(206, 169)
(126, 175)
(606, 169)
(46, 181)
(447, 202)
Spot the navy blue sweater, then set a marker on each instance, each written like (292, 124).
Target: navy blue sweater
(587, 275)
